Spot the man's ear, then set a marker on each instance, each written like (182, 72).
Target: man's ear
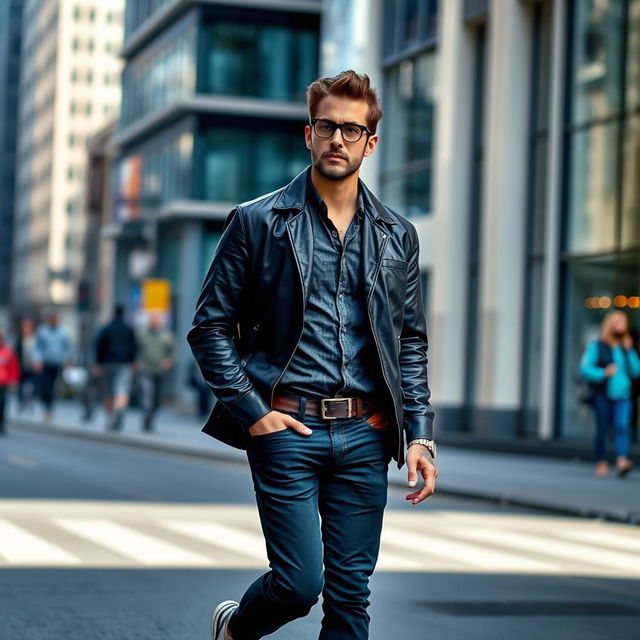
(307, 136)
(370, 147)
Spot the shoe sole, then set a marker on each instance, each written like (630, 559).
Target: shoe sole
(220, 617)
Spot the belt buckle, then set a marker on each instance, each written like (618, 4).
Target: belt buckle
(325, 401)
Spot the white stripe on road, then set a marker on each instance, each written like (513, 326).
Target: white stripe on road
(546, 545)
(19, 546)
(604, 538)
(220, 535)
(142, 548)
(439, 546)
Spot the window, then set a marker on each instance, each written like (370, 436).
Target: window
(271, 61)
(407, 156)
(90, 44)
(77, 13)
(408, 26)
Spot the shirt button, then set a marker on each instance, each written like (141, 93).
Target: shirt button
(334, 233)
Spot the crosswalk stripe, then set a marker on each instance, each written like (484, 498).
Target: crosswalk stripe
(547, 545)
(471, 555)
(603, 538)
(220, 535)
(142, 548)
(19, 546)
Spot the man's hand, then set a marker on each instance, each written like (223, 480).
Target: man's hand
(277, 421)
(419, 458)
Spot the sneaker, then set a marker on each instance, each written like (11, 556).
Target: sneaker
(221, 617)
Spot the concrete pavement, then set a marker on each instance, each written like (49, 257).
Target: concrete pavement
(562, 486)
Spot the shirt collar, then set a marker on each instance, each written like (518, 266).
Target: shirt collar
(314, 199)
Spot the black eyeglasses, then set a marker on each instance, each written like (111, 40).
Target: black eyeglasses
(350, 131)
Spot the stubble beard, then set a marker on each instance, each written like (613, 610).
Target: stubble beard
(336, 173)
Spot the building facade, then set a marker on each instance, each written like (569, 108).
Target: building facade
(69, 87)
(512, 140)
(213, 114)
(10, 33)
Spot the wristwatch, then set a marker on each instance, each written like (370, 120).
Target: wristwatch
(430, 444)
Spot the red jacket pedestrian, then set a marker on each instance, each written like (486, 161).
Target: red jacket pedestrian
(9, 375)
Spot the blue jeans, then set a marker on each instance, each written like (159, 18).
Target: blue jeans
(616, 413)
(320, 499)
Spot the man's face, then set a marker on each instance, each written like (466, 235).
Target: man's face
(334, 158)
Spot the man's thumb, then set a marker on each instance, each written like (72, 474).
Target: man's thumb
(297, 426)
(412, 475)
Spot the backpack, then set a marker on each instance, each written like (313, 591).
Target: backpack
(586, 389)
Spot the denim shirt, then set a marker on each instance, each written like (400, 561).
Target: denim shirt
(337, 354)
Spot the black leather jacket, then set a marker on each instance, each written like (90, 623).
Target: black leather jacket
(249, 316)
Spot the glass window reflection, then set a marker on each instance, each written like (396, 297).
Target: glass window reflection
(631, 185)
(267, 61)
(593, 189)
(596, 72)
(408, 138)
(274, 157)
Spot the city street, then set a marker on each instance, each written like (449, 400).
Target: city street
(99, 541)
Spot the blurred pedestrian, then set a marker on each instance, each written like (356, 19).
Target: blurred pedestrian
(52, 352)
(115, 354)
(9, 376)
(155, 359)
(25, 347)
(635, 388)
(609, 364)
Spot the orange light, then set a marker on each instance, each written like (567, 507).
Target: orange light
(633, 302)
(605, 302)
(620, 301)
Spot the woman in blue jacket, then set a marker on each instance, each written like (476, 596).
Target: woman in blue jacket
(609, 366)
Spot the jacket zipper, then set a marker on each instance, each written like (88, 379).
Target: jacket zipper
(295, 255)
(375, 338)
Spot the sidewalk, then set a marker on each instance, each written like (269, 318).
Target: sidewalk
(562, 486)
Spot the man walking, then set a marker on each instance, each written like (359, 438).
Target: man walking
(156, 352)
(310, 331)
(52, 352)
(115, 354)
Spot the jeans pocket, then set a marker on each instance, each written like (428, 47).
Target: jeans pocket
(378, 422)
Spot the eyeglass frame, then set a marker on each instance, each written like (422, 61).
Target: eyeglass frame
(335, 126)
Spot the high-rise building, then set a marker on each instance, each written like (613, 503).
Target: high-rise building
(69, 87)
(10, 29)
(511, 139)
(213, 114)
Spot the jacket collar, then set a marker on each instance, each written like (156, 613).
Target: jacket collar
(294, 196)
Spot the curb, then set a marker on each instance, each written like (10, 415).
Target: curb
(236, 456)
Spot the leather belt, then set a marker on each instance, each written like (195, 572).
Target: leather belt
(325, 408)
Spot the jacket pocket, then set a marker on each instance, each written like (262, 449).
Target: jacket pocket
(392, 263)
(251, 342)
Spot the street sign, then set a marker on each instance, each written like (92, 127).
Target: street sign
(156, 294)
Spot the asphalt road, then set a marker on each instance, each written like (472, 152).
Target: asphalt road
(106, 542)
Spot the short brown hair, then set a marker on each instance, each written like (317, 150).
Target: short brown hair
(351, 85)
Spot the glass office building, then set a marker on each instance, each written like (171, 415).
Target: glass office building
(511, 139)
(213, 114)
